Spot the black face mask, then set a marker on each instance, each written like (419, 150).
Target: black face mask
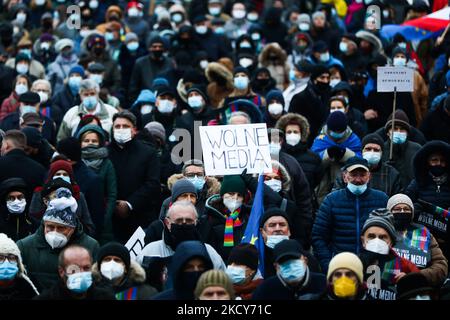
(188, 280)
(437, 171)
(157, 54)
(402, 221)
(98, 51)
(179, 233)
(322, 87)
(261, 83)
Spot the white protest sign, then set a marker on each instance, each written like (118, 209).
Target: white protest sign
(136, 243)
(389, 78)
(230, 149)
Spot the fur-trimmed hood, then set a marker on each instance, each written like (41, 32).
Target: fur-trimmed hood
(285, 177)
(136, 274)
(420, 161)
(212, 183)
(182, 91)
(270, 49)
(294, 118)
(216, 72)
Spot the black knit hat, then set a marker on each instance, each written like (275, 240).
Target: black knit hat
(273, 212)
(372, 138)
(233, 183)
(114, 249)
(318, 70)
(200, 89)
(244, 254)
(337, 122)
(241, 69)
(182, 186)
(400, 119)
(275, 94)
(30, 97)
(71, 148)
(55, 184)
(412, 284)
(382, 218)
(287, 249)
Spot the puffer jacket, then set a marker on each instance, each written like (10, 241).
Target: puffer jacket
(339, 222)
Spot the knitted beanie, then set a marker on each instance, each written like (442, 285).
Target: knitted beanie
(62, 209)
(346, 260)
(337, 122)
(182, 186)
(275, 94)
(214, 278)
(400, 198)
(372, 138)
(233, 183)
(156, 129)
(400, 119)
(382, 218)
(114, 249)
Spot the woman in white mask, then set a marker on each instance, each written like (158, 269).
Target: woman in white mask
(13, 209)
(378, 236)
(115, 268)
(21, 85)
(275, 107)
(227, 215)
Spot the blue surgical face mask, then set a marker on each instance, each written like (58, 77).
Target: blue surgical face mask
(273, 240)
(219, 30)
(399, 137)
(65, 178)
(90, 102)
(74, 83)
(292, 76)
(236, 274)
(133, 46)
(292, 270)
(241, 83)
(79, 282)
(195, 102)
(372, 158)
(355, 189)
(337, 135)
(8, 270)
(27, 109)
(197, 182)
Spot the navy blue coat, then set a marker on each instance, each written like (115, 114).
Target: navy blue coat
(339, 222)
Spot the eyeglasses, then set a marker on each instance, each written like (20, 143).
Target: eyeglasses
(402, 210)
(10, 257)
(193, 175)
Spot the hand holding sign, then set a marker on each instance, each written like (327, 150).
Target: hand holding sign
(229, 149)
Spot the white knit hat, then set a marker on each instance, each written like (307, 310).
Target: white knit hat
(61, 44)
(349, 261)
(8, 246)
(399, 198)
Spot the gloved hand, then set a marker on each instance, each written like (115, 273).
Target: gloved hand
(335, 153)
(250, 182)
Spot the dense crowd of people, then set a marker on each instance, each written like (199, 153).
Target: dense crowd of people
(100, 115)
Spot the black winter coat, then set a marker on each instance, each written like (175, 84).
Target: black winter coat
(20, 290)
(64, 100)
(216, 46)
(137, 170)
(60, 292)
(436, 125)
(414, 135)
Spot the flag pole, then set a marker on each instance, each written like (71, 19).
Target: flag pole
(393, 124)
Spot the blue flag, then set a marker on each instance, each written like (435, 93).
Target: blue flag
(252, 234)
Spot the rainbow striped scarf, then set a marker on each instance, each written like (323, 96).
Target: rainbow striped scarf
(231, 222)
(129, 294)
(391, 269)
(419, 238)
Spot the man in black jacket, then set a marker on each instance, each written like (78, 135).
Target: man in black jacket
(137, 169)
(14, 163)
(312, 103)
(215, 45)
(293, 279)
(76, 283)
(148, 67)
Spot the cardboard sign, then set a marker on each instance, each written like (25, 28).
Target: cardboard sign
(136, 243)
(389, 78)
(230, 149)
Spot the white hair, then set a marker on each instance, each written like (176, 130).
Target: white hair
(184, 205)
(89, 84)
(44, 82)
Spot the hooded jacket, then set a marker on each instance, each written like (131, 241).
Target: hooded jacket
(132, 287)
(59, 70)
(278, 65)
(185, 252)
(41, 260)
(220, 85)
(436, 125)
(339, 222)
(310, 162)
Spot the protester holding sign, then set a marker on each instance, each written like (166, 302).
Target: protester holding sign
(415, 242)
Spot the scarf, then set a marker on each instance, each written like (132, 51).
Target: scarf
(93, 157)
(232, 220)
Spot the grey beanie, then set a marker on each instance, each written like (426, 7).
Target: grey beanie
(131, 36)
(156, 129)
(399, 198)
(318, 14)
(182, 186)
(382, 218)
